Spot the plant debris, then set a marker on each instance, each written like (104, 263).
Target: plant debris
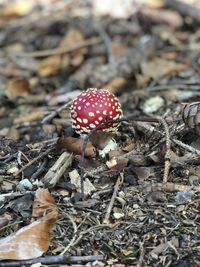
(126, 198)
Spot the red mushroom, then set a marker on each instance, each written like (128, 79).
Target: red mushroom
(93, 108)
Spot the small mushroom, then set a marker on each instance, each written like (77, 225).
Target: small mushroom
(94, 107)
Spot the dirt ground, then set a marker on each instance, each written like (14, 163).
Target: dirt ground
(142, 182)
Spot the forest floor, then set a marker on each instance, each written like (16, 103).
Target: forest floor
(141, 198)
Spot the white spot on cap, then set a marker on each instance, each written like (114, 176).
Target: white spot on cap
(100, 118)
(79, 107)
(109, 104)
(100, 105)
(111, 112)
(96, 122)
(97, 111)
(92, 125)
(87, 104)
(91, 114)
(79, 120)
(78, 126)
(84, 129)
(85, 120)
(105, 112)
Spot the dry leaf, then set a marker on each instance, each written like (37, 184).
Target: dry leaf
(50, 66)
(116, 85)
(159, 67)
(32, 240)
(143, 173)
(18, 87)
(76, 180)
(75, 145)
(72, 37)
(169, 17)
(43, 203)
(28, 118)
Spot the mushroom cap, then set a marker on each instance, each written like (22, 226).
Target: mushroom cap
(94, 107)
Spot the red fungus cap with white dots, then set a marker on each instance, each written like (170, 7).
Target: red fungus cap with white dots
(93, 108)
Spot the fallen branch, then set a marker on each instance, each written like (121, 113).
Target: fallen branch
(110, 206)
(57, 170)
(61, 50)
(33, 161)
(51, 260)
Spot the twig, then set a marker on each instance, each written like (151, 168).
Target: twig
(110, 206)
(167, 187)
(61, 50)
(74, 237)
(168, 150)
(107, 41)
(33, 161)
(53, 175)
(86, 140)
(141, 258)
(53, 114)
(187, 147)
(51, 260)
(40, 170)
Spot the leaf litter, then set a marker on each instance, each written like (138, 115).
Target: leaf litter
(141, 202)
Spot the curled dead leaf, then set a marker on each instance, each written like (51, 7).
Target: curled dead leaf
(75, 145)
(18, 87)
(50, 66)
(32, 240)
(28, 118)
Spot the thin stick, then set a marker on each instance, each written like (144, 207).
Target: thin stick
(74, 237)
(33, 161)
(86, 140)
(56, 112)
(51, 260)
(107, 41)
(186, 147)
(168, 150)
(110, 206)
(61, 50)
(142, 253)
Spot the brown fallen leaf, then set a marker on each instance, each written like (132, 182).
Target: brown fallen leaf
(43, 203)
(50, 66)
(117, 85)
(18, 87)
(159, 67)
(32, 240)
(28, 118)
(72, 37)
(75, 145)
(169, 17)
